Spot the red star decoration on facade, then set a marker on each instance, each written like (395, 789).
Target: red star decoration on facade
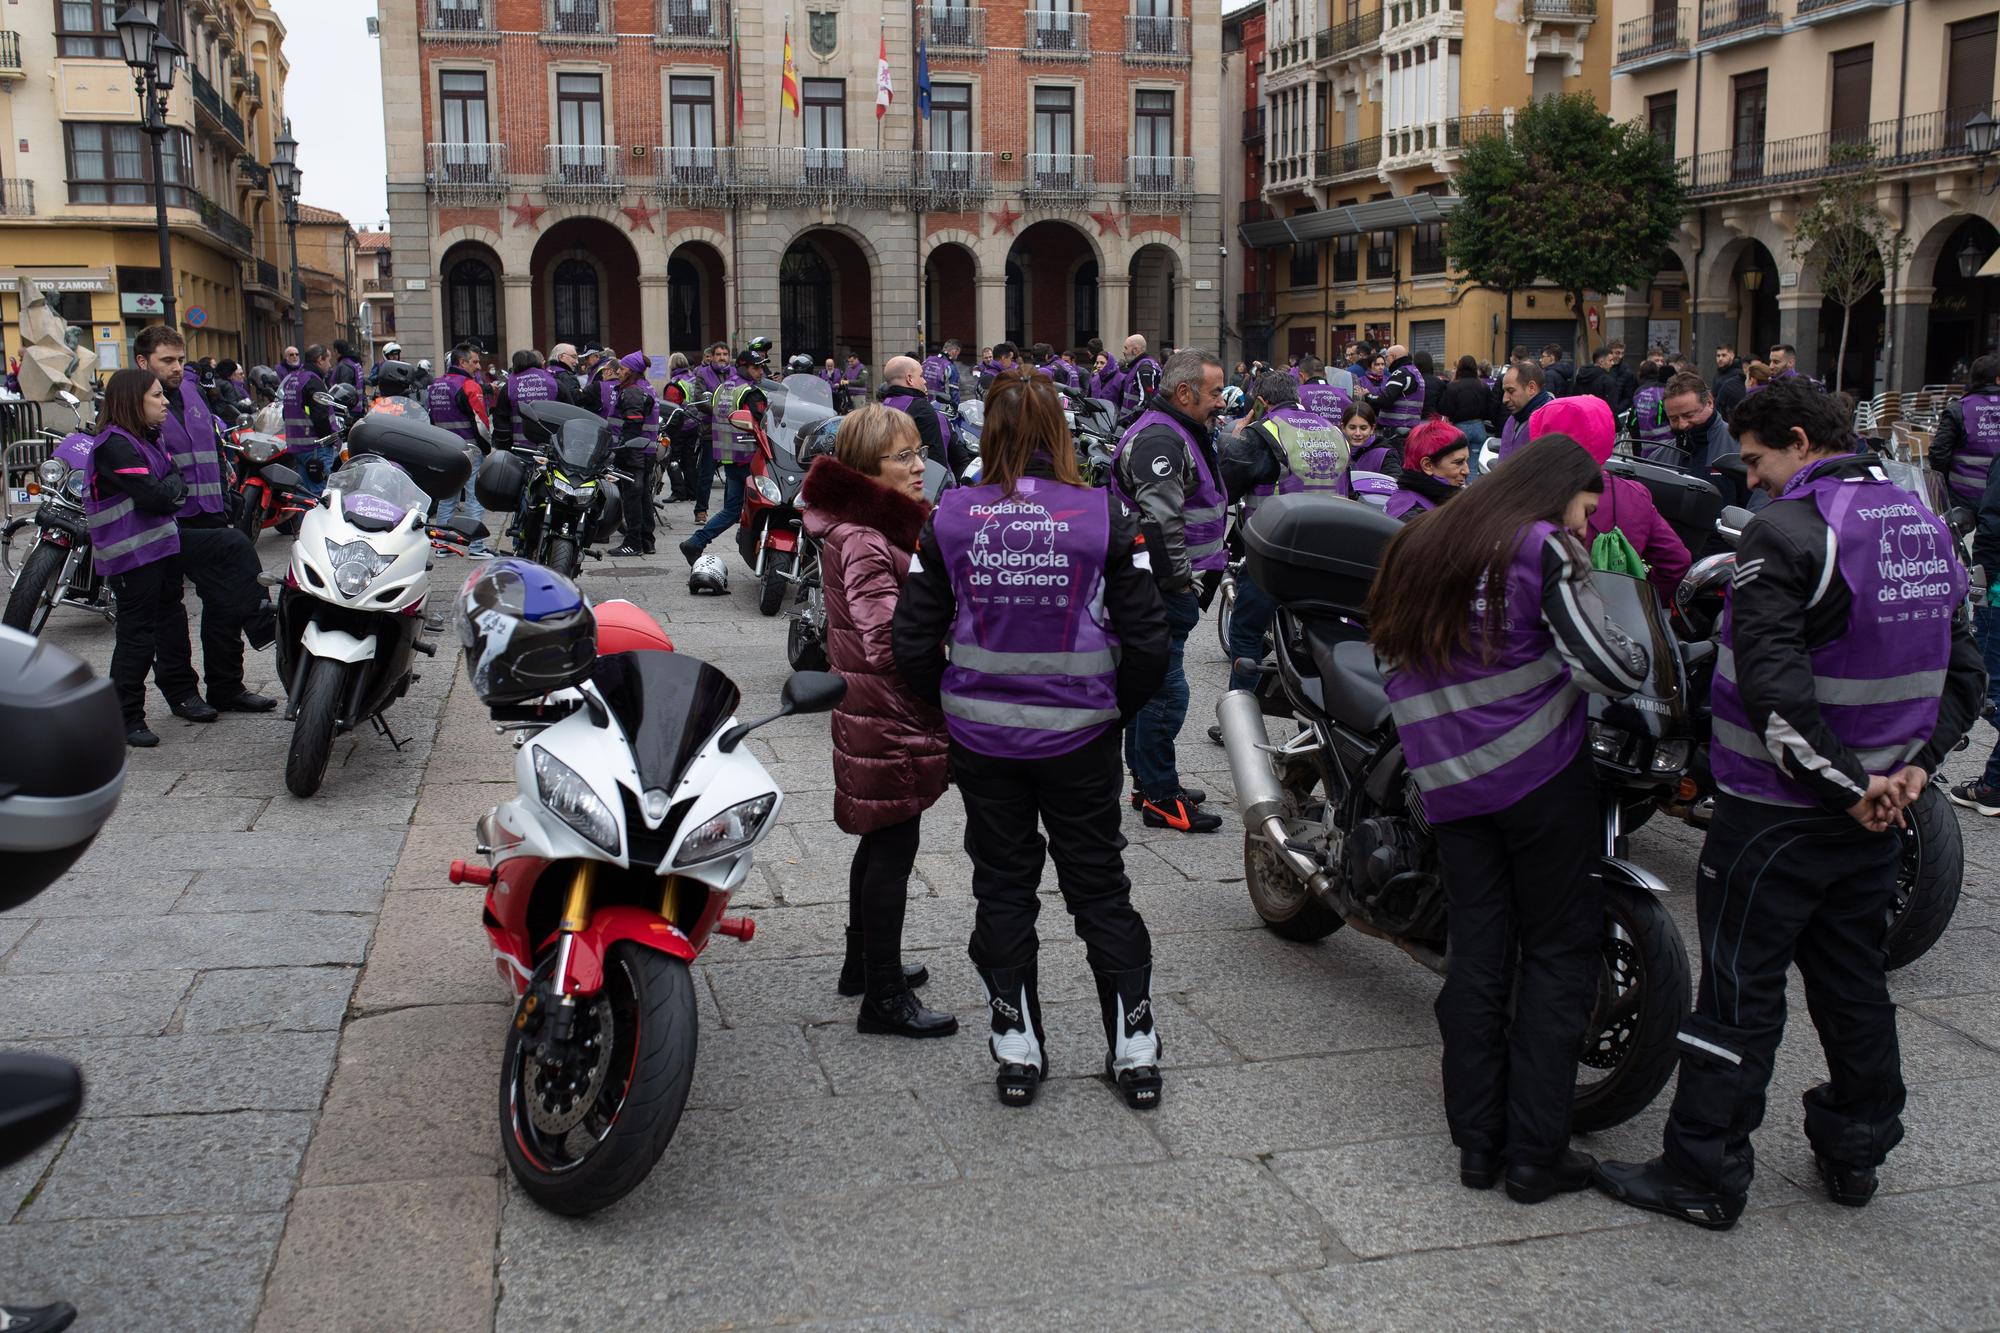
(1107, 222)
(1004, 220)
(640, 216)
(526, 214)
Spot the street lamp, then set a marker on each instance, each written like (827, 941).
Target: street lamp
(1971, 258)
(153, 56)
(1980, 132)
(285, 167)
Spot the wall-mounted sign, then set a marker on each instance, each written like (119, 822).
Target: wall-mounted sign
(61, 279)
(141, 303)
(195, 317)
(414, 284)
(1203, 285)
(1788, 279)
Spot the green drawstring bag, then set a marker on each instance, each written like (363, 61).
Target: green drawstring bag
(1613, 552)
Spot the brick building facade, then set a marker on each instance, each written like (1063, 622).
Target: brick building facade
(568, 169)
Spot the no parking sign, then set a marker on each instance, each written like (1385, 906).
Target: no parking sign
(196, 317)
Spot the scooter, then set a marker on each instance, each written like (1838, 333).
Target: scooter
(768, 536)
(610, 870)
(351, 609)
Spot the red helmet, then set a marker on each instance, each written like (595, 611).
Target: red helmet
(623, 628)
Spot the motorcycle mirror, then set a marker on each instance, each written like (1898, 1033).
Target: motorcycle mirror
(43, 1095)
(1732, 520)
(468, 527)
(813, 691)
(1961, 520)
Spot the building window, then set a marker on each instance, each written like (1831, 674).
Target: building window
(1153, 132)
(472, 304)
(950, 127)
(1055, 136)
(1853, 89)
(825, 106)
(1305, 265)
(692, 112)
(576, 309)
(1427, 249)
(1746, 132)
(1346, 257)
(88, 28)
(463, 96)
(111, 164)
(1662, 113)
(1381, 254)
(580, 150)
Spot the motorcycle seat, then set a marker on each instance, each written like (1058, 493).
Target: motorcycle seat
(1348, 678)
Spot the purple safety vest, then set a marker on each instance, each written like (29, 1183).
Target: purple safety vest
(298, 422)
(1407, 411)
(1034, 668)
(190, 439)
(1204, 512)
(731, 445)
(442, 401)
(533, 385)
(1371, 457)
(1649, 418)
(1134, 392)
(1406, 501)
(1329, 400)
(122, 538)
(1878, 684)
(1481, 736)
(1109, 383)
(1975, 454)
(937, 374)
(1315, 455)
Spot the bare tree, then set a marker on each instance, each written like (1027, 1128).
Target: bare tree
(1845, 235)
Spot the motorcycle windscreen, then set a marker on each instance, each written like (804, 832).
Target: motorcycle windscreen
(1659, 707)
(799, 403)
(668, 704)
(583, 446)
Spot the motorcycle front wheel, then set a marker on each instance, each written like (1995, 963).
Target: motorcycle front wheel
(1927, 880)
(312, 728)
(562, 556)
(582, 1130)
(1629, 1049)
(35, 588)
(776, 581)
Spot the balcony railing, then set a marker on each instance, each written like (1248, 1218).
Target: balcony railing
(695, 177)
(459, 18)
(1462, 130)
(262, 273)
(1349, 159)
(574, 20)
(1056, 34)
(205, 95)
(693, 23)
(1152, 39)
(10, 56)
(948, 181)
(1344, 39)
(1254, 210)
(1913, 141)
(1664, 32)
(1159, 184)
(955, 29)
(255, 174)
(584, 170)
(1055, 179)
(1560, 11)
(1720, 18)
(17, 197)
(219, 220)
(462, 172)
(1253, 124)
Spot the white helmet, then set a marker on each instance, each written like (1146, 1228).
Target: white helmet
(709, 575)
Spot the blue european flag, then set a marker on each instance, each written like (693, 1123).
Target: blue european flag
(923, 79)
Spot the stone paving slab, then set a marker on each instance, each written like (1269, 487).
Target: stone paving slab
(240, 1162)
(151, 1272)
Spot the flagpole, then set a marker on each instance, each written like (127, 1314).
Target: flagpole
(920, 175)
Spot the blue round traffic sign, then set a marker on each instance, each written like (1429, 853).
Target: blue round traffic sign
(196, 316)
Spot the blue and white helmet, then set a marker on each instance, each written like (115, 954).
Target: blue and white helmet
(526, 631)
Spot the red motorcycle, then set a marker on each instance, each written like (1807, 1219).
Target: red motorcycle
(269, 491)
(768, 537)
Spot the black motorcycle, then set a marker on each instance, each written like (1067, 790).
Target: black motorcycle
(559, 483)
(1335, 829)
(58, 570)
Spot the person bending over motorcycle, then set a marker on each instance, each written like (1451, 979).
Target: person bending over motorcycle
(1490, 630)
(636, 413)
(864, 506)
(1033, 750)
(1844, 676)
(734, 447)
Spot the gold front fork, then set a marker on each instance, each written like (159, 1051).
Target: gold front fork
(576, 907)
(670, 899)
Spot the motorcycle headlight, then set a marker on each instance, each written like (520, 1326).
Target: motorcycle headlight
(1607, 742)
(73, 485)
(1670, 756)
(734, 828)
(355, 565)
(53, 472)
(564, 792)
(768, 490)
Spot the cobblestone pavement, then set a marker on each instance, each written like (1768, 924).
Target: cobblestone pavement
(291, 1026)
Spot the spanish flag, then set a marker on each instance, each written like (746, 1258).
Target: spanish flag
(789, 98)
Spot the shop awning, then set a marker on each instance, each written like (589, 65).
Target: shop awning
(1412, 210)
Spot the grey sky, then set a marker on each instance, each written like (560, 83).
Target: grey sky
(334, 97)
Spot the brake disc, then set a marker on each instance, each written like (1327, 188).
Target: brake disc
(565, 1083)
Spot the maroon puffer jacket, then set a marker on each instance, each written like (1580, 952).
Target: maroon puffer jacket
(888, 747)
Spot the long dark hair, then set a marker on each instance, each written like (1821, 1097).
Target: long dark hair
(125, 400)
(1420, 609)
(1024, 416)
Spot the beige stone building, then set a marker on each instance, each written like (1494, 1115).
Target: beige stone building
(376, 312)
(561, 170)
(330, 272)
(76, 191)
(1762, 99)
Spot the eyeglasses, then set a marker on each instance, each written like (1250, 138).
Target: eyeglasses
(902, 458)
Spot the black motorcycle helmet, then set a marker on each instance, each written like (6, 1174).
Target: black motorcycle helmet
(526, 631)
(799, 364)
(264, 380)
(753, 355)
(396, 379)
(62, 768)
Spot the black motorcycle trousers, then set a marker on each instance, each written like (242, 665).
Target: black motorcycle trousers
(1777, 886)
(878, 889)
(152, 620)
(1524, 925)
(222, 565)
(1076, 798)
(636, 495)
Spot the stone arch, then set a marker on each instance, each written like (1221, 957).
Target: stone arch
(1964, 308)
(585, 238)
(697, 291)
(472, 306)
(1155, 271)
(1054, 269)
(828, 292)
(951, 291)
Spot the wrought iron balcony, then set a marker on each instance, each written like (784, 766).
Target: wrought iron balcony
(1253, 124)
(1056, 34)
(17, 197)
(954, 29)
(1055, 180)
(1348, 39)
(1749, 18)
(693, 23)
(584, 170)
(261, 273)
(576, 20)
(460, 19)
(1887, 145)
(1662, 34)
(220, 221)
(10, 56)
(949, 182)
(255, 174)
(463, 172)
(695, 177)
(1359, 158)
(1254, 210)
(1159, 184)
(1462, 130)
(1559, 11)
(1157, 40)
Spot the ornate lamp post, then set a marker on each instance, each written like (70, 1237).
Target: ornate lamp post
(285, 167)
(154, 57)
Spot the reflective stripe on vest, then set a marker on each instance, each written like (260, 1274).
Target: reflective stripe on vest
(1524, 736)
(1407, 410)
(1852, 692)
(730, 444)
(442, 401)
(122, 538)
(191, 438)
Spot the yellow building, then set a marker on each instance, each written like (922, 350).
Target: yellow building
(331, 277)
(1759, 98)
(76, 189)
(1367, 107)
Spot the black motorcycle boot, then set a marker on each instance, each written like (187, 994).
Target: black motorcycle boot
(1016, 1037)
(852, 982)
(1132, 1062)
(1532, 1182)
(1656, 1187)
(1192, 795)
(1848, 1186)
(39, 1319)
(1479, 1169)
(888, 1007)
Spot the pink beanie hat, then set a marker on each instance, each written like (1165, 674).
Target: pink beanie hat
(1585, 418)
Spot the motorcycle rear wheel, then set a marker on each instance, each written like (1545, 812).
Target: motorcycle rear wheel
(1642, 995)
(1225, 608)
(312, 728)
(1280, 898)
(34, 594)
(636, 1097)
(1927, 880)
(776, 581)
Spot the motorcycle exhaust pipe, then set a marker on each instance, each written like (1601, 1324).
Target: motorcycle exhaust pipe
(1258, 795)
